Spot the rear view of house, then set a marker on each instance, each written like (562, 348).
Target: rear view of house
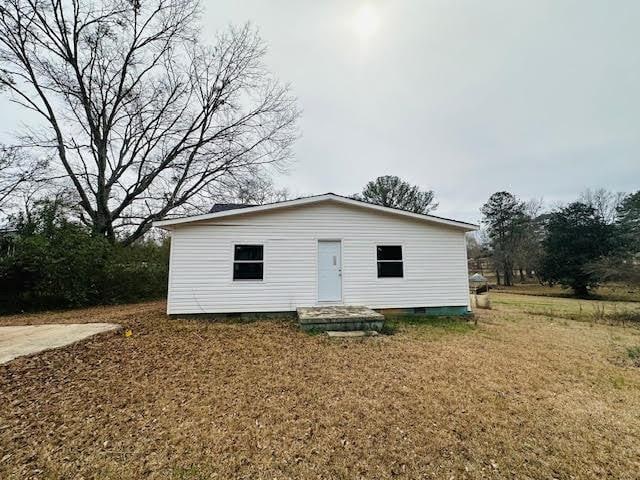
(321, 250)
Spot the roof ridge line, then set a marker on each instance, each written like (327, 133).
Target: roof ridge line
(310, 199)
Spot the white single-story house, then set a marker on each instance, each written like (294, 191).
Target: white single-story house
(314, 251)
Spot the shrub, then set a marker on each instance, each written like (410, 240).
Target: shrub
(389, 327)
(50, 262)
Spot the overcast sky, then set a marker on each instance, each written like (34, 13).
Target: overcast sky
(541, 98)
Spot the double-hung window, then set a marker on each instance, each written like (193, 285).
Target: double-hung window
(389, 259)
(248, 262)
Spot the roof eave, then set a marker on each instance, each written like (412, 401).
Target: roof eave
(169, 223)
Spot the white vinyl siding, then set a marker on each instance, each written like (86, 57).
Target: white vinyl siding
(201, 276)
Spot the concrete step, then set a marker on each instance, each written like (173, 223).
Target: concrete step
(339, 318)
(352, 334)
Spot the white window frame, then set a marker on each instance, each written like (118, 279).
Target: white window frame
(234, 261)
(402, 260)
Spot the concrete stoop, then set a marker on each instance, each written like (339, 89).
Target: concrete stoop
(339, 318)
(352, 334)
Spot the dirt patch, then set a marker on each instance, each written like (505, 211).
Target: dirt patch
(518, 396)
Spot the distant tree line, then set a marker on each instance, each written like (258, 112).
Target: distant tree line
(579, 245)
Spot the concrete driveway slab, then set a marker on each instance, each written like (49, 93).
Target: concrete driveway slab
(29, 339)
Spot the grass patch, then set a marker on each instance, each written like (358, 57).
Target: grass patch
(314, 332)
(615, 317)
(389, 327)
(437, 326)
(597, 313)
(192, 472)
(593, 311)
(634, 354)
(609, 292)
(618, 383)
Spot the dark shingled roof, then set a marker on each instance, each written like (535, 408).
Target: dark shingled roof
(221, 207)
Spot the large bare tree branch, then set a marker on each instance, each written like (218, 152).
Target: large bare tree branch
(18, 175)
(144, 120)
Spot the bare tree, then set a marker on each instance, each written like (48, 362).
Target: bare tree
(623, 265)
(259, 190)
(617, 268)
(18, 176)
(478, 252)
(143, 119)
(528, 250)
(604, 202)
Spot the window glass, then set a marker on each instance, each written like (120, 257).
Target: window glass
(248, 262)
(389, 252)
(389, 261)
(248, 252)
(247, 271)
(390, 269)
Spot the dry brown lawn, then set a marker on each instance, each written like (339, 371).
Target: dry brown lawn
(609, 291)
(518, 396)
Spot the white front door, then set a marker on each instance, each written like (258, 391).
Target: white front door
(329, 271)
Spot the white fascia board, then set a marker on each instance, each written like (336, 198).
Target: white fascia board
(315, 199)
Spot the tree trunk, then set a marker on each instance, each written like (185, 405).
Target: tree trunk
(497, 277)
(581, 290)
(102, 226)
(521, 275)
(508, 274)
